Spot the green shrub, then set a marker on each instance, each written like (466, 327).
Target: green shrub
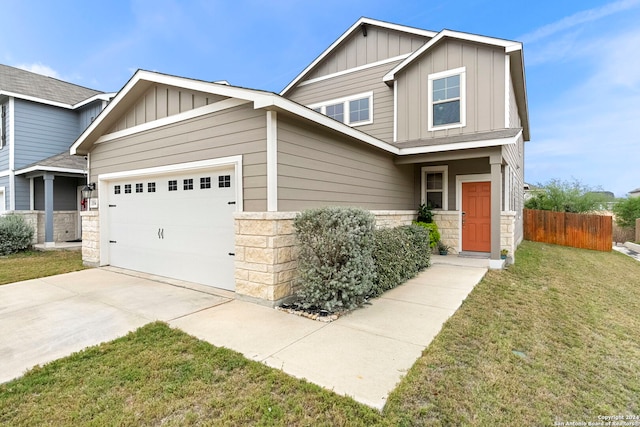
(399, 254)
(335, 265)
(15, 234)
(434, 233)
(627, 211)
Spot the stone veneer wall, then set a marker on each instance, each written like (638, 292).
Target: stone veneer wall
(448, 226)
(65, 225)
(90, 238)
(266, 253)
(508, 232)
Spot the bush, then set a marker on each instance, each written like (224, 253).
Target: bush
(15, 234)
(399, 254)
(566, 196)
(335, 264)
(626, 211)
(434, 233)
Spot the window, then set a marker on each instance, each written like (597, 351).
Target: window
(139, 188)
(127, 189)
(447, 100)
(151, 187)
(116, 189)
(173, 185)
(353, 110)
(224, 181)
(434, 187)
(188, 184)
(205, 183)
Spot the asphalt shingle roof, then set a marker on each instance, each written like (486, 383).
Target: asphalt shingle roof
(62, 160)
(27, 83)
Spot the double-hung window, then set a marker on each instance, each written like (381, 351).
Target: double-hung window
(434, 187)
(353, 110)
(447, 106)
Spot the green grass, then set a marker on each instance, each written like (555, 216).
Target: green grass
(34, 264)
(552, 339)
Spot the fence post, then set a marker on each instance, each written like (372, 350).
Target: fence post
(638, 230)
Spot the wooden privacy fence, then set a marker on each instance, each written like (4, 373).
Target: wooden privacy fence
(569, 229)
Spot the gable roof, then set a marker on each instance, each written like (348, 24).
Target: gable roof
(355, 27)
(63, 163)
(36, 87)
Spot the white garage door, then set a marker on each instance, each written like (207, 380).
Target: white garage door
(178, 225)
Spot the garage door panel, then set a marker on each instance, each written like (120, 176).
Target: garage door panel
(176, 225)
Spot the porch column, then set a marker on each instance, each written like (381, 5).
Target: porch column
(496, 205)
(48, 210)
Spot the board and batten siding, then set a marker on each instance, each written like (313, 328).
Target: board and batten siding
(88, 113)
(235, 131)
(485, 89)
(42, 131)
(358, 50)
(160, 101)
(4, 151)
(367, 80)
(321, 168)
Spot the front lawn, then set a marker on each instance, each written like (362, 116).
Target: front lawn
(552, 339)
(35, 264)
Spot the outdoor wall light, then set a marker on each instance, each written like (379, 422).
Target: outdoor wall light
(87, 190)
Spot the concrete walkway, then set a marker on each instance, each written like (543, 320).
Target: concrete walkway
(363, 354)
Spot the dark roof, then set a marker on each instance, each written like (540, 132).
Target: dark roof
(62, 160)
(27, 83)
(480, 136)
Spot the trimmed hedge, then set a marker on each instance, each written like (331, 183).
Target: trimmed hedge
(335, 265)
(15, 234)
(434, 233)
(399, 254)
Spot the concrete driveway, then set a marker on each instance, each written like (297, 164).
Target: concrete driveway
(363, 354)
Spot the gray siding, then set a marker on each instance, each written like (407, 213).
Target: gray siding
(23, 201)
(42, 131)
(354, 83)
(65, 193)
(358, 50)
(161, 101)
(4, 151)
(485, 97)
(236, 131)
(87, 114)
(320, 168)
(4, 182)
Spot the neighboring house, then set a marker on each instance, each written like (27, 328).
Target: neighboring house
(41, 118)
(634, 193)
(200, 181)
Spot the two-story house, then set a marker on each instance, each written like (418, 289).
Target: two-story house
(200, 181)
(39, 179)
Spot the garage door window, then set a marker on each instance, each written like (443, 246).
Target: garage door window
(173, 185)
(127, 189)
(116, 189)
(151, 187)
(224, 181)
(139, 188)
(188, 184)
(205, 182)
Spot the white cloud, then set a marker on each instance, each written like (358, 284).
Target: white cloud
(39, 68)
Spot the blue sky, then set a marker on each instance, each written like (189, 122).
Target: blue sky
(582, 58)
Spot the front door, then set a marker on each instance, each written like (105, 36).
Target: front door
(476, 216)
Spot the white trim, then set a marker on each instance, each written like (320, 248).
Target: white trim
(508, 45)
(196, 112)
(445, 185)
(507, 91)
(3, 203)
(101, 96)
(12, 153)
(354, 69)
(462, 72)
(104, 97)
(345, 100)
(460, 179)
(395, 111)
(459, 145)
(5, 173)
(356, 27)
(272, 161)
(32, 202)
(49, 169)
(104, 179)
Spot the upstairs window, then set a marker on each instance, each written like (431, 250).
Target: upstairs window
(354, 110)
(447, 99)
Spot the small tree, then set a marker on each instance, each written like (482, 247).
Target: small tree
(566, 196)
(627, 211)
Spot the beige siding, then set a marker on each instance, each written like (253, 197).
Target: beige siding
(514, 116)
(236, 131)
(358, 50)
(485, 97)
(366, 80)
(317, 168)
(161, 101)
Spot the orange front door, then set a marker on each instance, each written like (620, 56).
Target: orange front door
(476, 216)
